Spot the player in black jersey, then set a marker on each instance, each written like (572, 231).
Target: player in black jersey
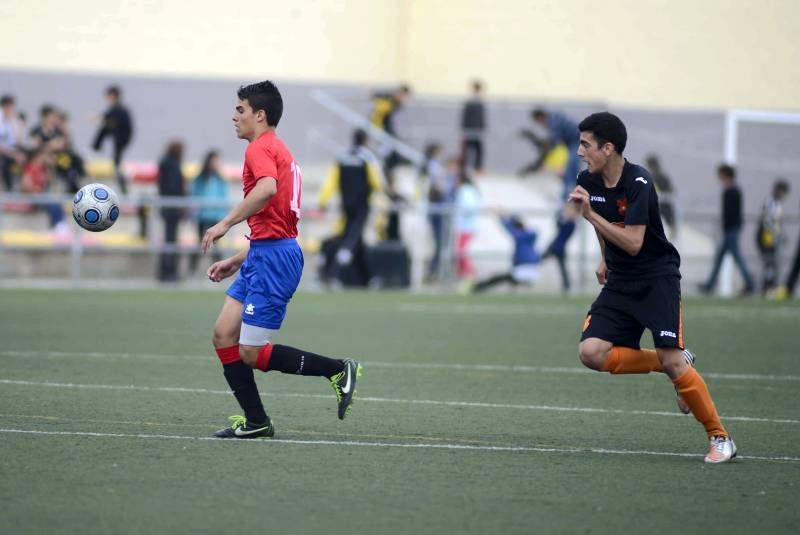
(639, 271)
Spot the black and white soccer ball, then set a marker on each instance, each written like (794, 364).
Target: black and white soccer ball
(95, 207)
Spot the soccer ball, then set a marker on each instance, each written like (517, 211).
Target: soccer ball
(95, 207)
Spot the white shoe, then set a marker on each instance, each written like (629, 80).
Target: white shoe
(722, 450)
(688, 356)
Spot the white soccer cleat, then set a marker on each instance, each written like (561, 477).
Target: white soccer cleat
(722, 450)
(688, 356)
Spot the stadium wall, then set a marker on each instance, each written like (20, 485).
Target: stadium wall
(678, 53)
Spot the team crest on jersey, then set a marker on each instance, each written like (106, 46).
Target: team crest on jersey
(622, 206)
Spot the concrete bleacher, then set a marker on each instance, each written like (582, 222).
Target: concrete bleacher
(33, 250)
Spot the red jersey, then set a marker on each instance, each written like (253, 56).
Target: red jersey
(268, 156)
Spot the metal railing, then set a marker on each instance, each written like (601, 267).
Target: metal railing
(75, 245)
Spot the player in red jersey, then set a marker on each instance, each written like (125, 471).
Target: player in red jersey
(269, 270)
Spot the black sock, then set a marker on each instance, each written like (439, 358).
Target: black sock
(292, 360)
(240, 378)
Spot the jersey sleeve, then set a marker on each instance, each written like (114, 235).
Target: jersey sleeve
(638, 193)
(261, 163)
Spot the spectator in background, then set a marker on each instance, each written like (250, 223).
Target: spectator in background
(384, 107)
(665, 192)
(209, 186)
(525, 261)
(440, 197)
(473, 125)
(12, 155)
(47, 134)
(356, 176)
(68, 163)
(731, 228)
(36, 179)
(560, 129)
(769, 235)
(565, 227)
(467, 214)
(170, 184)
(117, 124)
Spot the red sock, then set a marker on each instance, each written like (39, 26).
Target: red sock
(264, 354)
(228, 355)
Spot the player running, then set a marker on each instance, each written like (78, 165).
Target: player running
(269, 271)
(639, 271)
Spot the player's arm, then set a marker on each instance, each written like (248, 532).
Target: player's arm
(602, 269)
(628, 238)
(225, 268)
(262, 192)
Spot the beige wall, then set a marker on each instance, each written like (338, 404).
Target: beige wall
(298, 39)
(720, 53)
(692, 53)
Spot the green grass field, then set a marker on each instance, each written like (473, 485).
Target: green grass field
(473, 417)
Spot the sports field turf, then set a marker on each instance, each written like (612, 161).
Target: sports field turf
(473, 417)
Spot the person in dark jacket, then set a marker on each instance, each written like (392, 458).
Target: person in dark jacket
(118, 125)
(731, 228)
(355, 176)
(384, 107)
(525, 261)
(473, 125)
(170, 184)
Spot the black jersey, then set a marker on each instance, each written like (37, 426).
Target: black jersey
(633, 201)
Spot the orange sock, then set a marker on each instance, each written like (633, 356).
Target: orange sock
(628, 360)
(694, 392)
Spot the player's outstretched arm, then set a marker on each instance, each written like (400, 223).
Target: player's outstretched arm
(262, 192)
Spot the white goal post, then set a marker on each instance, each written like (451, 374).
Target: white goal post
(733, 118)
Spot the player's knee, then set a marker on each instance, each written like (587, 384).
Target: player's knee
(223, 337)
(592, 355)
(249, 355)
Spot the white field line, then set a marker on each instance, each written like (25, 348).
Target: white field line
(505, 368)
(469, 404)
(411, 445)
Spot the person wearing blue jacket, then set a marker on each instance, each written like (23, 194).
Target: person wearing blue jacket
(209, 186)
(525, 261)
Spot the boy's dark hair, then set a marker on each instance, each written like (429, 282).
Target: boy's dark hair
(360, 137)
(516, 222)
(727, 171)
(114, 91)
(781, 186)
(5, 100)
(46, 110)
(538, 113)
(477, 85)
(263, 96)
(606, 128)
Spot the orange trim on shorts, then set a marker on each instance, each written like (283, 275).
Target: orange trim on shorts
(680, 324)
(586, 322)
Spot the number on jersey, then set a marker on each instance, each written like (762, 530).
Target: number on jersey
(297, 189)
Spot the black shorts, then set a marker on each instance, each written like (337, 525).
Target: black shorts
(625, 308)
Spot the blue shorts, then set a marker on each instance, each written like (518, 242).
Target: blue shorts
(267, 281)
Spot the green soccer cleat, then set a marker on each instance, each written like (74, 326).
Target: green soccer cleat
(344, 384)
(241, 428)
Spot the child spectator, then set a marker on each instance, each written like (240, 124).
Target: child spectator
(525, 261)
